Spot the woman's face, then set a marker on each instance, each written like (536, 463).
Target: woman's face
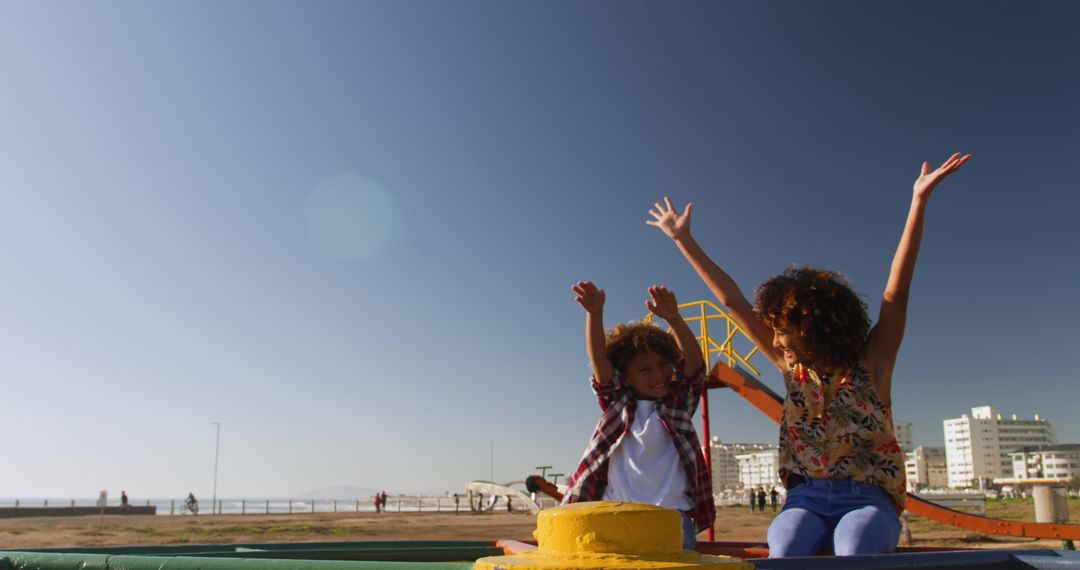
(784, 341)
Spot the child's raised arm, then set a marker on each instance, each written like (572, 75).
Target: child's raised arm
(677, 227)
(663, 304)
(591, 299)
(883, 342)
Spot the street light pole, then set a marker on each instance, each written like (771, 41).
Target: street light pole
(217, 447)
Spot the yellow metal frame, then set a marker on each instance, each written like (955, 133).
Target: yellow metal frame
(709, 313)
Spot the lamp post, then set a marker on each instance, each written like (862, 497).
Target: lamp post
(217, 447)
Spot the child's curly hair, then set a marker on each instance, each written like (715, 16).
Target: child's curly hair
(818, 307)
(626, 341)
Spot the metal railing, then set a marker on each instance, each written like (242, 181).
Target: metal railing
(262, 506)
(706, 315)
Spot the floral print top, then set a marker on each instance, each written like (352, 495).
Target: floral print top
(836, 427)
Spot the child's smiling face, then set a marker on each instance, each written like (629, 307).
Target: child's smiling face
(650, 375)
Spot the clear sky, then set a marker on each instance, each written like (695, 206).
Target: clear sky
(347, 230)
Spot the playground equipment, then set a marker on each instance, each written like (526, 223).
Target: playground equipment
(487, 494)
(571, 543)
(609, 535)
(730, 367)
(572, 537)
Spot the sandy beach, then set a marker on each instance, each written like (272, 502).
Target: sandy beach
(733, 523)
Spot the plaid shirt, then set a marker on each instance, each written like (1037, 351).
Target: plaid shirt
(676, 412)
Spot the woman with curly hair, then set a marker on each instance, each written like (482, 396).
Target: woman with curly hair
(838, 454)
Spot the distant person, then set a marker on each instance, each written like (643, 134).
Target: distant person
(509, 505)
(123, 499)
(761, 499)
(457, 502)
(753, 500)
(378, 503)
(839, 457)
(382, 499)
(480, 502)
(774, 497)
(192, 504)
(648, 383)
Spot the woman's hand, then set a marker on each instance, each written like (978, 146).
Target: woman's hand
(589, 296)
(662, 303)
(671, 222)
(928, 180)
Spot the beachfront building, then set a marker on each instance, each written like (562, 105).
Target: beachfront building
(1060, 462)
(759, 469)
(903, 436)
(977, 446)
(926, 468)
(725, 467)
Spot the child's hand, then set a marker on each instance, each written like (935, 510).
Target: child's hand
(671, 222)
(589, 297)
(927, 180)
(663, 303)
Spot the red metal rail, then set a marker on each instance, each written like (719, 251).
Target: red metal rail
(769, 403)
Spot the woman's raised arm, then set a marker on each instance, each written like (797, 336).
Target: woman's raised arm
(883, 342)
(677, 227)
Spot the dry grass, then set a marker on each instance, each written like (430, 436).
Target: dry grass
(733, 524)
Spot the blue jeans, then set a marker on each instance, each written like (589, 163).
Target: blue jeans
(849, 517)
(689, 533)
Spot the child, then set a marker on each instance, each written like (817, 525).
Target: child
(645, 448)
(838, 454)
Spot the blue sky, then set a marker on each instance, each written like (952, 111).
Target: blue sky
(171, 173)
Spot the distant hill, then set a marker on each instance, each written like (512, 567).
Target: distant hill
(343, 492)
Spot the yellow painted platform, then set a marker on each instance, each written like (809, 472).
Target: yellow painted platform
(609, 535)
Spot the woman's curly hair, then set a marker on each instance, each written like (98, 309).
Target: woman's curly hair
(626, 341)
(820, 310)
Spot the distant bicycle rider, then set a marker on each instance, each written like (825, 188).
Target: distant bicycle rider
(192, 504)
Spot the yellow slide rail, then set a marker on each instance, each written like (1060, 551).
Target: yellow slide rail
(710, 320)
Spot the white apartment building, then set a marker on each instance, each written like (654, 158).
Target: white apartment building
(976, 447)
(903, 436)
(759, 469)
(1060, 462)
(725, 466)
(926, 468)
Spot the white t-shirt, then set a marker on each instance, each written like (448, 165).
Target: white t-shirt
(645, 468)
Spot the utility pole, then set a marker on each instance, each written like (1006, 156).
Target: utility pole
(217, 448)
